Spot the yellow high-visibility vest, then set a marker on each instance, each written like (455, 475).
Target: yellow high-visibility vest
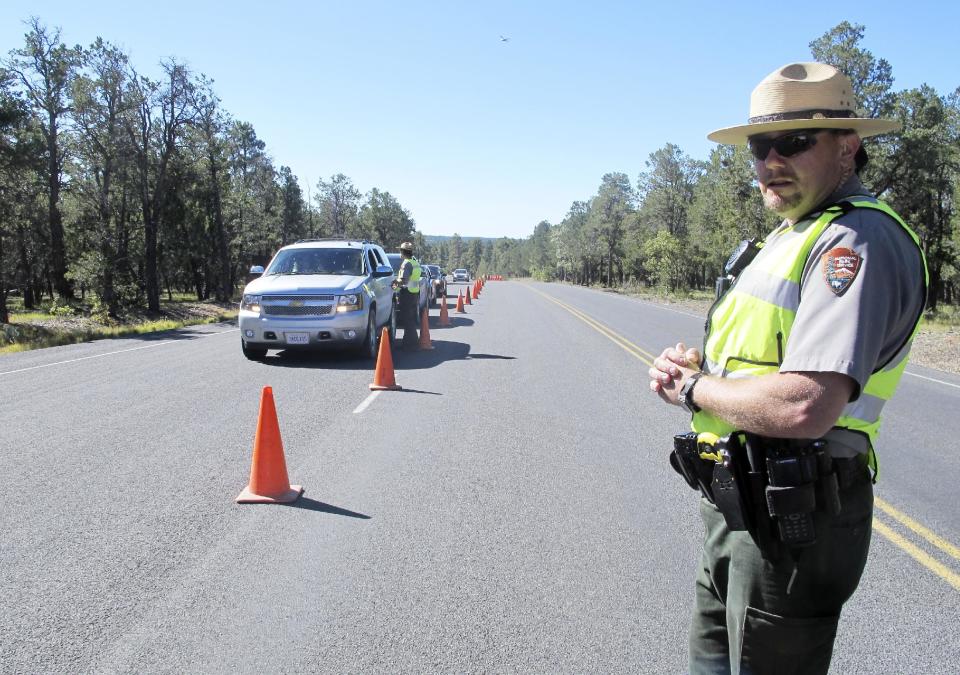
(413, 283)
(748, 328)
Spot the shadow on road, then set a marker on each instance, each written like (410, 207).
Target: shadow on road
(186, 333)
(330, 359)
(455, 322)
(443, 351)
(313, 505)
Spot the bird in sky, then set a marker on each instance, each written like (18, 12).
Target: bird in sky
(504, 39)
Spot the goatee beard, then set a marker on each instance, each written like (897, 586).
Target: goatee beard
(779, 204)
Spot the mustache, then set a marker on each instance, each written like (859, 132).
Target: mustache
(774, 176)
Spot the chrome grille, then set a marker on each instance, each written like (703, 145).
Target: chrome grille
(306, 310)
(301, 298)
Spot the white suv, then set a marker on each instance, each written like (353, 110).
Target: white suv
(461, 274)
(319, 292)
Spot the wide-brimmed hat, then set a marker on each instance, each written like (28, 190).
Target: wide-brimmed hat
(406, 246)
(803, 96)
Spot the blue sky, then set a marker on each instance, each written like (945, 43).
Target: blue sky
(478, 136)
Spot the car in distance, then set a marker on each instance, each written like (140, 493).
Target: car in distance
(424, 299)
(316, 293)
(439, 281)
(428, 273)
(461, 274)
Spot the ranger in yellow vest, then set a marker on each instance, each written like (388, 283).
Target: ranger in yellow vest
(802, 349)
(408, 296)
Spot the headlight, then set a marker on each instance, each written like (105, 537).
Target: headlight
(251, 303)
(349, 303)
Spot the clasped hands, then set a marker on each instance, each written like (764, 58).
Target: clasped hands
(671, 369)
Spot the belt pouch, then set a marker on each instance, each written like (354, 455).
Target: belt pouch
(728, 497)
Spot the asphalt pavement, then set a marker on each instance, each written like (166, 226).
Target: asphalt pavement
(510, 510)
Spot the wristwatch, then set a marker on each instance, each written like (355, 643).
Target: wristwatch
(685, 398)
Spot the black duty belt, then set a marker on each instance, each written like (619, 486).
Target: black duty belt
(767, 486)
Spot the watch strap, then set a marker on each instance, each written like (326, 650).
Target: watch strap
(686, 394)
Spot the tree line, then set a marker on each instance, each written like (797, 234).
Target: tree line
(678, 224)
(117, 188)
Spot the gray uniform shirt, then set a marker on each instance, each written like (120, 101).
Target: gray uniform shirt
(858, 331)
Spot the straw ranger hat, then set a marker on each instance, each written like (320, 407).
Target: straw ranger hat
(803, 96)
(406, 246)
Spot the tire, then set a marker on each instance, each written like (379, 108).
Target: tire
(368, 349)
(253, 353)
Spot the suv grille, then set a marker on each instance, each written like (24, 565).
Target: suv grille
(307, 310)
(301, 298)
(298, 305)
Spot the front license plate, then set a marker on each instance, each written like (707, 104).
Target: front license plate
(298, 338)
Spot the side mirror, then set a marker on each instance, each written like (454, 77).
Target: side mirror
(383, 271)
(256, 270)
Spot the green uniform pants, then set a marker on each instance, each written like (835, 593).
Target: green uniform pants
(409, 318)
(746, 622)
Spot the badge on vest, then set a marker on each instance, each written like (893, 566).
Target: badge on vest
(840, 267)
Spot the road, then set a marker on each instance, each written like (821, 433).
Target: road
(511, 509)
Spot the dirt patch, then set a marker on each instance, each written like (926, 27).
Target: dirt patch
(51, 330)
(937, 348)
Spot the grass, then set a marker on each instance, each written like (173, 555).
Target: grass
(59, 324)
(945, 318)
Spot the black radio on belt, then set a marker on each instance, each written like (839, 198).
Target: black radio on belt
(791, 495)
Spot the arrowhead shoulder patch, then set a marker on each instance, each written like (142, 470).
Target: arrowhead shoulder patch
(840, 268)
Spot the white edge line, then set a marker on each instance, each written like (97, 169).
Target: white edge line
(932, 379)
(657, 305)
(119, 351)
(366, 402)
(668, 308)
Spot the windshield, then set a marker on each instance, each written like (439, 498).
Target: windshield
(317, 261)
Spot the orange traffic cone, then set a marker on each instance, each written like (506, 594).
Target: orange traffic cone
(460, 309)
(268, 475)
(383, 376)
(425, 342)
(466, 299)
(444, 315)
(476, 289)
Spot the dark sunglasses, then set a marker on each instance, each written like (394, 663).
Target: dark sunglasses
(787, 145)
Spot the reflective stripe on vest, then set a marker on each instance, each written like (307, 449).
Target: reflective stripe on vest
(748, 328)
(413, 283)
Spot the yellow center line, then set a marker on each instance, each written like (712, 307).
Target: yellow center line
(918, 554)
(614, 337)
(937, 541)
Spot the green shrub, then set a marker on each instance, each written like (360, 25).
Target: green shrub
(8, 334)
